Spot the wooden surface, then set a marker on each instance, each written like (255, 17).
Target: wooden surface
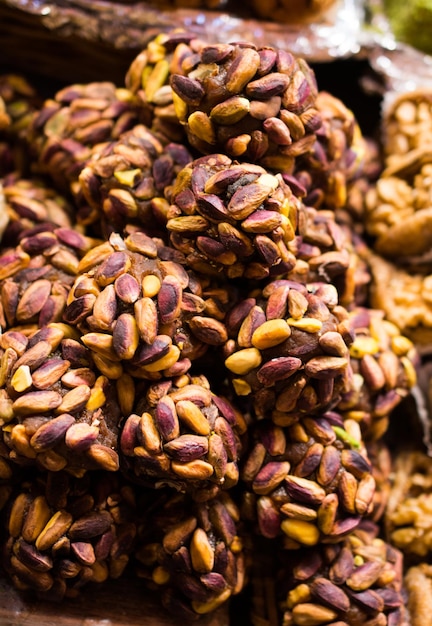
(117, 603)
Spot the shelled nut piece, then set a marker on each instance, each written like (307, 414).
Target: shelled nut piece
(408, 516)
(5, 120)
(335, 158)
(65, 532)
(232, 218)
(405, 297)
(418, 583)
(32, 203)
(141, 312)
(383, 365)
(398, 211)
(64, 130)
(252, 103)
(357, 581)
(56, 410)
(288, 349)
(36, 277)
(124, 180)
(192, 552)
(148, 78)
(183, 435)
(311, 480)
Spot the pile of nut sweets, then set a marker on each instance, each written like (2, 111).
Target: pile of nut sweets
(214, 294)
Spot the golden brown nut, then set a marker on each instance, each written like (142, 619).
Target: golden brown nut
(405, 298)
(418, 583)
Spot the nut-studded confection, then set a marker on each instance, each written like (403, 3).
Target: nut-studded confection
(124, 181)
(233, 218)
(357, 581)
(31, 203)
(193, 553)
(252, 103)
(336, 156)
(79, 117)
(310, 481)
(36, 276)
(65, 532)
(141, 311)
(183, 435)
(288, 349)
(56, 410)
(408, 517)
(405, 297)
(383, 363)
(148, 78)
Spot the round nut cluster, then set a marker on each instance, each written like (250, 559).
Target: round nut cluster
(55, 410)
(232, 218)
(288, 349)
(126, 179)
(357, 581)
(184, 436)
(311, 481)
(36, 276)
(335, 158)
(141, 314)
(64, 130)
(193, 553)
(65, 532)
(252, 103)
